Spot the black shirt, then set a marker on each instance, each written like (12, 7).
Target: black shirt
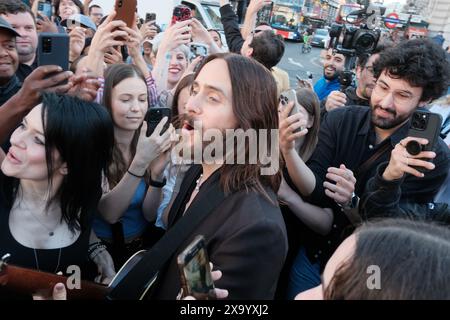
(382, 199)
(347, 136)
(24, 70)
(48, 260)
(9, 89)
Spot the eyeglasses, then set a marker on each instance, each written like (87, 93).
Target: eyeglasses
(400, 98)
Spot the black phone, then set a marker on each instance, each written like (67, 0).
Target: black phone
(195, 271)
(150, 17)
(45, 7)
(53, 49)
(424, 124)
(154, 116)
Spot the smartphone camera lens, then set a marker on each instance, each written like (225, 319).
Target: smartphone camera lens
(413, 147)
(47, 45)
(419, 121)
(120, 4)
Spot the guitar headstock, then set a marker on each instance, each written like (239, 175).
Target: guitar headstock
(3, 264)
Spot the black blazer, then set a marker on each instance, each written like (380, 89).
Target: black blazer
(246, 240)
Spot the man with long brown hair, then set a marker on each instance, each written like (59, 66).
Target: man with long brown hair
(245, 234)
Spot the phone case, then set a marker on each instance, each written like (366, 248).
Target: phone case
(154, 116)
(198, 49)
(53, 49)
(426, 125)
(288, 96)
(181, 13)
(150, 17)
(46, 8)
(195, 273)
(125, 10)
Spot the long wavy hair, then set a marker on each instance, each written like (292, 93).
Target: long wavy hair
(254, 104)
(114, 75)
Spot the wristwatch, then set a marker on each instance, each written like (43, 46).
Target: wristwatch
(352, 203)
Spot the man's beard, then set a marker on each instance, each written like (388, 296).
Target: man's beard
(388, 123)
(331, 78)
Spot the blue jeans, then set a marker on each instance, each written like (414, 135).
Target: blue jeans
(304, 275)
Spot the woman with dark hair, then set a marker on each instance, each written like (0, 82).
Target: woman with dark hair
(388, 260)
(65, 8)
(245, 234)
(122, 224)
(50, 183)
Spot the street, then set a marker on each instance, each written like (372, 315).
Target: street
(295, 62)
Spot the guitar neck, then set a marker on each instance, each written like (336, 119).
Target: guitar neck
(29, 281)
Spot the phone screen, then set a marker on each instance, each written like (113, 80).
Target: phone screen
(195, 270)
(45, 8)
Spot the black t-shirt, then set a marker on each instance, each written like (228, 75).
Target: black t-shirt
(48, 260)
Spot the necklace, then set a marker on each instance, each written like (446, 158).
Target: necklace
(51, 232)
(37, 261)
(198, 182)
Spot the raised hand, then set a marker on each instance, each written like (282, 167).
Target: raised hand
(402, 162)
(342, 190)
(288, 126)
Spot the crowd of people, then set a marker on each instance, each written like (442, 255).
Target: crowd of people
(333, 194)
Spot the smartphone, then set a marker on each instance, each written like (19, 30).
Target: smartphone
(197, 49)
(154, 117)
(303, 83)
(265, 13)
(125, 10)
(53, 49)
(181, 13)
(195, 272)
(150, 17)
(45, 8)
(288, 96)
(425, 124)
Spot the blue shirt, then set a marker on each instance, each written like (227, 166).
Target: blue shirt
(133, 220)
(323, 87)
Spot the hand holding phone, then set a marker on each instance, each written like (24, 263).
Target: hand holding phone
(304, 83)
(53, 49)
(425, 125)
(154, 117)
(149, 17)
(195, 272)
(125, 11)
(423, 135)
(197, 49)
(291, 96)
